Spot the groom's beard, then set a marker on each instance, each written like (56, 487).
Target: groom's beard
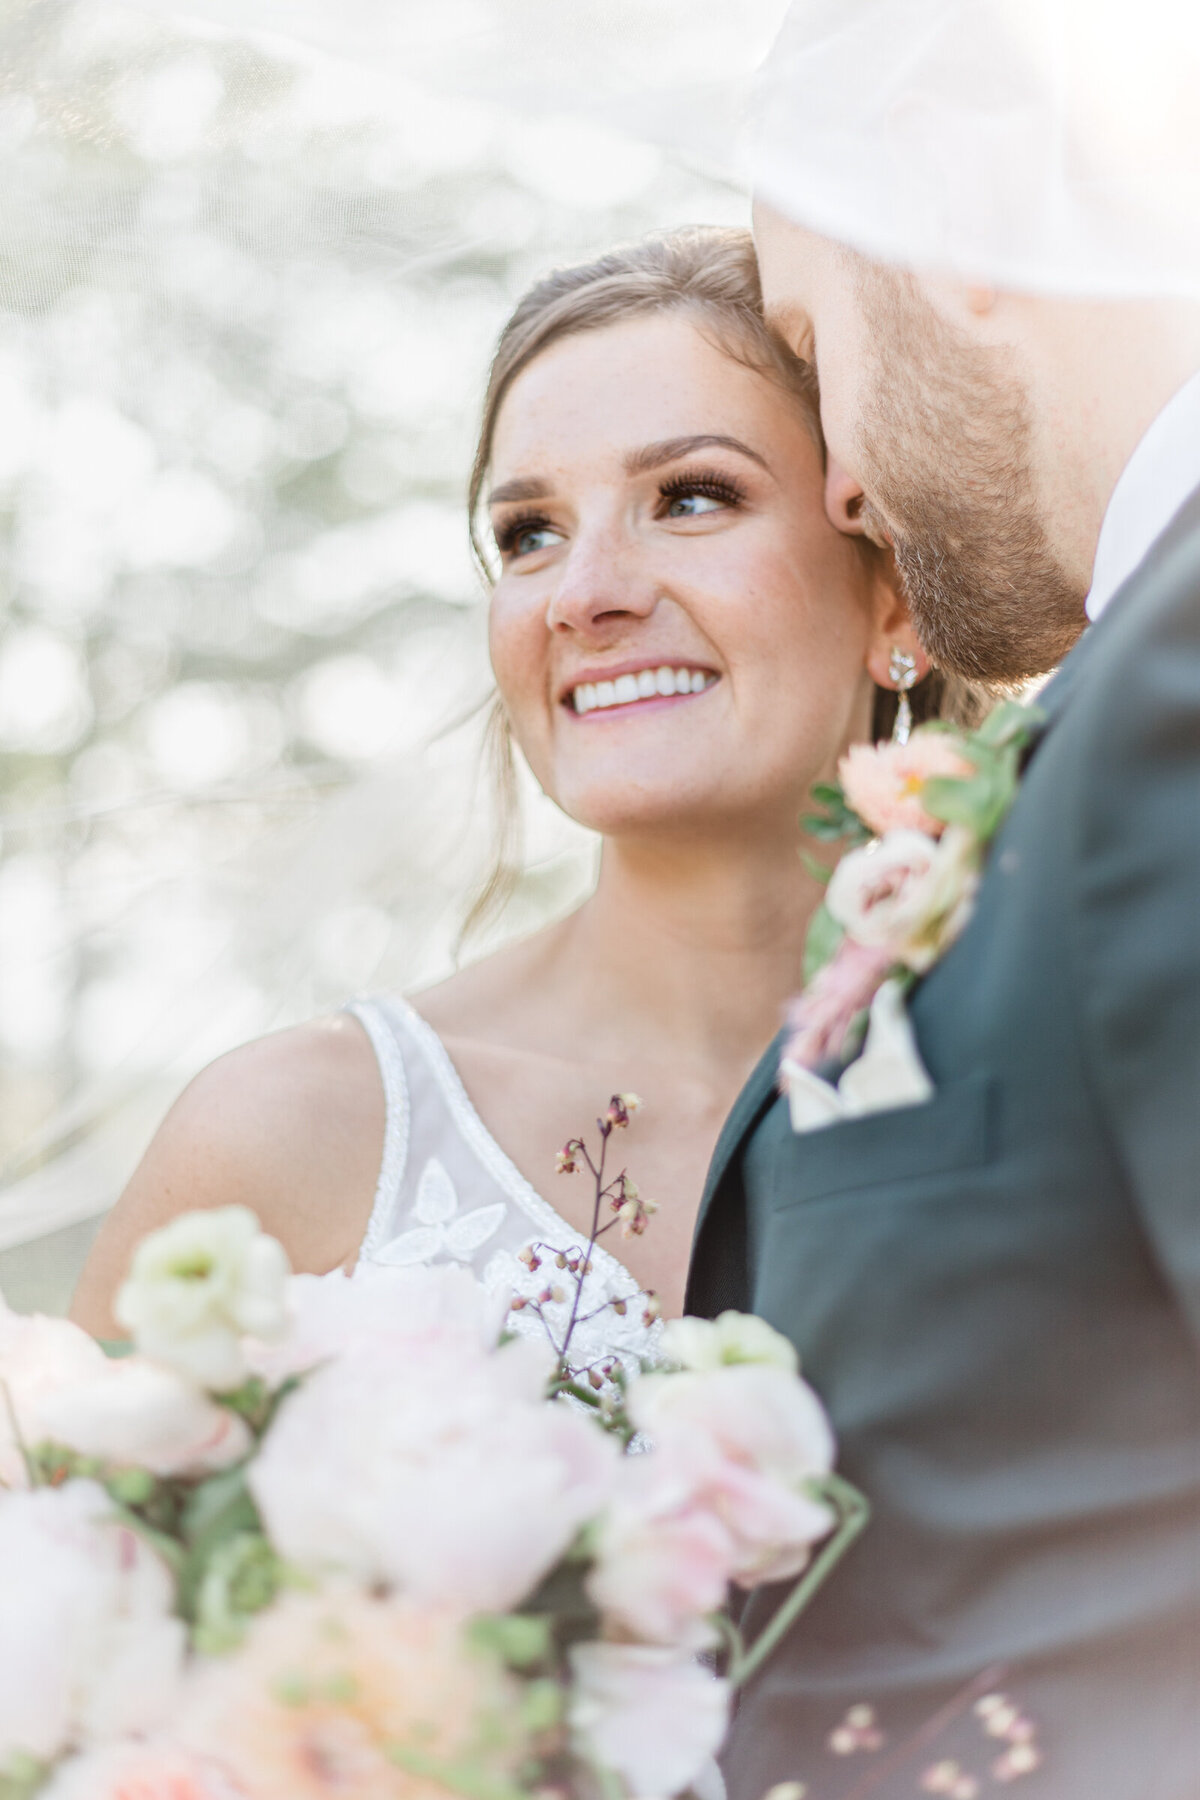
(946, 465)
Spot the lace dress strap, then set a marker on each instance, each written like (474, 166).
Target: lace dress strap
(386, 1045)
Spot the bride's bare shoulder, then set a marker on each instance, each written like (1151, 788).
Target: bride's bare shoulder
(290, 1125)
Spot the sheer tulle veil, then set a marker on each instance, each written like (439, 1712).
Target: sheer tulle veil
(256, 254)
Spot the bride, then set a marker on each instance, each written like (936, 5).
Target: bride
(682, 643)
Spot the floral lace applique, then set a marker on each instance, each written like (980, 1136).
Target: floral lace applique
(441, 1229)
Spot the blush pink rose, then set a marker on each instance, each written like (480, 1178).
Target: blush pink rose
(819, 1019)
(327, 1683)
(884, 783)
(138, 1772)
(655, 1717)
(756, 1437)
(663, 1557)
(906, 897)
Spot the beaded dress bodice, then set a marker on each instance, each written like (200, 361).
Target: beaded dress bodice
(448, 1193)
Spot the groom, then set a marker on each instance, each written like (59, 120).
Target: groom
(997, 1292)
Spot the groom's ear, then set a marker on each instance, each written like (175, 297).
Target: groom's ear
(845, 504)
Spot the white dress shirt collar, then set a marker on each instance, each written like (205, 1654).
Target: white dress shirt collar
(1160, 475)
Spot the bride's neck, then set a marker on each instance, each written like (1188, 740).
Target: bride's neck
(693, 946)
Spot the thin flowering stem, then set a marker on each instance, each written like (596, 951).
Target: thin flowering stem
(926, 1735)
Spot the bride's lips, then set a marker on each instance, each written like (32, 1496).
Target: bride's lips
(640, 687)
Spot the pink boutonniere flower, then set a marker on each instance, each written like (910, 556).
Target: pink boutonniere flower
(919, 818)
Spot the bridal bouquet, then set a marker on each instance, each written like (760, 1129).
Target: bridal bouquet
(349, 1535)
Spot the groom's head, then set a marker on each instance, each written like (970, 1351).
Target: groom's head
(934, 441)
(1020, 180)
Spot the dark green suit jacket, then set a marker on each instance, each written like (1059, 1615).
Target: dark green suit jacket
(997, 1293)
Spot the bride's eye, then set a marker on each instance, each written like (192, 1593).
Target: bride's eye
(692, 496)
(523, 535)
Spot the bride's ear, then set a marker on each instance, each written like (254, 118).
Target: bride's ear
(893, 632)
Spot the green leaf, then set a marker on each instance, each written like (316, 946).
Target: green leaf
(116, 1348)
(219, 1506)
(22, 1776)
(835, 819)
(1012, 723)
(824, 937)
(818, 870)
(979, 801)
(240, 1577)
(517, 1639)
(541, 1705)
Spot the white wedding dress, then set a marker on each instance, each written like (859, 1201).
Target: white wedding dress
(448, 1193)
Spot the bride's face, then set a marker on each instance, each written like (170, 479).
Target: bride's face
(678, 631)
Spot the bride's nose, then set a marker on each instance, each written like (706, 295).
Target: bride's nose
(602, 582)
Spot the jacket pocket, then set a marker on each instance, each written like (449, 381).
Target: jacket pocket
(904, 1145)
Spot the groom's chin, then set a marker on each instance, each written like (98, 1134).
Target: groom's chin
(987, 623)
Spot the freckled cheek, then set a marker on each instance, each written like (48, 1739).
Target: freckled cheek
(518, 644)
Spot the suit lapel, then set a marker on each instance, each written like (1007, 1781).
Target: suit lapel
(758, 1093)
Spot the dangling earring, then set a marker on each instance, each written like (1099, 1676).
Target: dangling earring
(902, 670)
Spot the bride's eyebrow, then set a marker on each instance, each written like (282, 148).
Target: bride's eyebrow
(653, 456)
(521, 487)
(636, 462)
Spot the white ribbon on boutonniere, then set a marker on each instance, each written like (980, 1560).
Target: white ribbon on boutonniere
(919, 817)
(888, 1074)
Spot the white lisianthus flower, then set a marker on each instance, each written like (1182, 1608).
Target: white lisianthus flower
(906, 893)
(653, 1716)
(732, 1337)
(89, 1648)
(201, 1285)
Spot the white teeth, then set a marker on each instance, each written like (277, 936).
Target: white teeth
(624, 689)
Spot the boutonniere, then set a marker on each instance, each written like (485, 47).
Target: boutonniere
(919, 817)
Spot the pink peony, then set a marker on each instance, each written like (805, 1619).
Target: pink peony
(883, 783)
(756, 1437)
(663, 1558)
(137, 1412)
(906, 897)
(89, 1649)
(434, 1467)
(138, 1772)
(655, 1717)
(327, 1684)
(820, 1018)
(329, 1313)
